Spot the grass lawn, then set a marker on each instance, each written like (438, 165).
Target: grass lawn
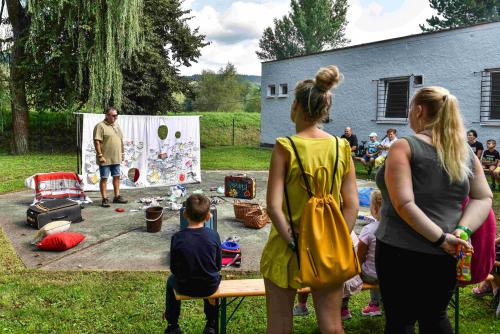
(34, 301)
(15, 169)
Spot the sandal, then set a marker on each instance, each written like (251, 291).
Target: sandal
(481, 290)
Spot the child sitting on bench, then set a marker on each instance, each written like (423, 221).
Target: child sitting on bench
(366, 255)
(195, 263)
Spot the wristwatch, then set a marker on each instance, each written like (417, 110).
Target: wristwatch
(292, 246)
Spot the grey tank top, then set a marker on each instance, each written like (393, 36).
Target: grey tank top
(439, 199)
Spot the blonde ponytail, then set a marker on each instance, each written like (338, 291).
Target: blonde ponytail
(448, 131)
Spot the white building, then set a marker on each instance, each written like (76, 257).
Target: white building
(380, 78)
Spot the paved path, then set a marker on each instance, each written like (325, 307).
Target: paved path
(119, 241)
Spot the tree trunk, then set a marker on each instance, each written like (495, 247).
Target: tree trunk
(19, 105)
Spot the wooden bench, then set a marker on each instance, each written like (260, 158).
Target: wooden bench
(240, 289)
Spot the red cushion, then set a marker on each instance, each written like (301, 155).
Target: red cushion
(60, 241)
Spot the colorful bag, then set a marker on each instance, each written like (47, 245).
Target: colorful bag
(325, 251)
(483, 242)
(239, 186)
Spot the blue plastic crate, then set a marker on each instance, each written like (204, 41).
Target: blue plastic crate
(211, 223)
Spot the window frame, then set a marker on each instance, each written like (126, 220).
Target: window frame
(383, 86)
(486, 97)
(268, 90)
(280, 90)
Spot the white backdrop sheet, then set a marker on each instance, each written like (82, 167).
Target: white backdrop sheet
(160, 162)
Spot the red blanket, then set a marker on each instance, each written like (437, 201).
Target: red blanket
(58, 185)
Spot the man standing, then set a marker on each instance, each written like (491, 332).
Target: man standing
(108, 142)
(352, 139)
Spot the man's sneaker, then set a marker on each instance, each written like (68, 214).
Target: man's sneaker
(120, 200)
(209, 329)
(345, 313)
(105, 203)
(173, 329)
(371, 310)
(300, 310)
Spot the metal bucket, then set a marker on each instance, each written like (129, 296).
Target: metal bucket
(154, 218)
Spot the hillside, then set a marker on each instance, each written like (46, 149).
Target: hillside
(252, 78)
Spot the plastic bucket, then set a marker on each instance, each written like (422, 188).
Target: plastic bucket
(154, 218)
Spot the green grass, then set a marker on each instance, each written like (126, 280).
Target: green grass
(216, 128)
(133, 302)
(34, 301)
(237, 157)
(15, 169)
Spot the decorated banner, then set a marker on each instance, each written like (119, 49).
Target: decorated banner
(159, 151)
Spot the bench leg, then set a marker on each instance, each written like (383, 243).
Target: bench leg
(217, 315)
(223, 316)
(457, 310)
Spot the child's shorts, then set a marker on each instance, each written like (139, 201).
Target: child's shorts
(366, 158)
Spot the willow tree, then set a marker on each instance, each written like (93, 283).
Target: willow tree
(92, 38)
(105, 34)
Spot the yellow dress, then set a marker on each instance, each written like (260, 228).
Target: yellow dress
(278, 263)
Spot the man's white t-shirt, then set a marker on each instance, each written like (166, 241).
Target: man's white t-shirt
(387, 142)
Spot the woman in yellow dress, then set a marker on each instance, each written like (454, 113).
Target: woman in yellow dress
(316, 148)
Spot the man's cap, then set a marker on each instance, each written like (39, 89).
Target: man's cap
(373, 134)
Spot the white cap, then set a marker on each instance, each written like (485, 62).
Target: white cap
(373, 134)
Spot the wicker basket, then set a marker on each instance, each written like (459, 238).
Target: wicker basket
(257, 218)
(241, 209)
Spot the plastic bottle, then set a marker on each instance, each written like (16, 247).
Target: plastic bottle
(464, 261)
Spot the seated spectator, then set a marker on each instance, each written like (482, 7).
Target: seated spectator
(490, 161)
(366, 255)
(195, 263)
(384, 146)
(372, 153)
(476, 146)
(351, 138)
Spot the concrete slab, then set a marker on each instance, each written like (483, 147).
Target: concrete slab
(119, 241)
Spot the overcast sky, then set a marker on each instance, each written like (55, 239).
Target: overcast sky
(234, 27)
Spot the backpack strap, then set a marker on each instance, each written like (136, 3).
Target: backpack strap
(290, 220)
(304, 176)
(336, 163)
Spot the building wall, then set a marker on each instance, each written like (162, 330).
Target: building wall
(453, 59)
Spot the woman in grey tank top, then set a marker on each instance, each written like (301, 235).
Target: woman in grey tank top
(424, 181)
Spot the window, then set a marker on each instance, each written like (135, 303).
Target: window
(490, 95)
(393, 96)
(271, 90)
(418, 81)
(283, 89)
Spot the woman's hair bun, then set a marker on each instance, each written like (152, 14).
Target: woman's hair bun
(327, 78)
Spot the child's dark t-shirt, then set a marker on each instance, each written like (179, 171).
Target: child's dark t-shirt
(490, 157)
(195, 261)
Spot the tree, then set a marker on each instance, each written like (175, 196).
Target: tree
(153, 78)
(252, 99)
(19, 21)
(457, 13)
(222, 91)
(311, 26)
(89, 39)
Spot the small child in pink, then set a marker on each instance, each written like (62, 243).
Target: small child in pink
(366, 255)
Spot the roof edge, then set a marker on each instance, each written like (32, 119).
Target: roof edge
(385, 40)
